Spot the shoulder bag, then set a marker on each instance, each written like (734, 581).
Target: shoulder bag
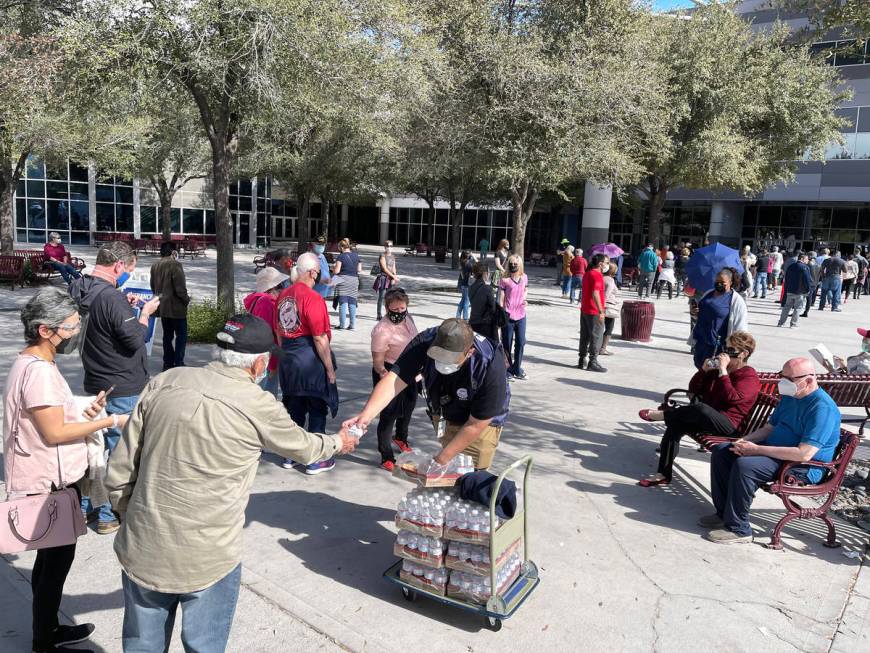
(39, 521)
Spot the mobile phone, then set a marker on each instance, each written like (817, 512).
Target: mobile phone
(108, 392)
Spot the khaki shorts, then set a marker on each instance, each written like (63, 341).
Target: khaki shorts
(481, 450)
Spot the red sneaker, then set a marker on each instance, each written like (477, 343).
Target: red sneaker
(389, 465)
(402, 445)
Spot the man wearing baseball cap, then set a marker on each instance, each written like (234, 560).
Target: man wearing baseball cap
(180, 478)
(465, 378)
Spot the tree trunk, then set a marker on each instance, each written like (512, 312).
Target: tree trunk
(303, 209)
(657, 194)
(523, 200)
(7, 219)
(430, 220)
(224, 226)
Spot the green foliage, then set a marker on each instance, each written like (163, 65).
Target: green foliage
(206, 318)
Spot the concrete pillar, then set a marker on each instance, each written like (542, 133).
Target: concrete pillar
(726, 223)
(342, 224)
(385, 218)
(137, 210)
(252, 231)
(92, 200)
(596, 215)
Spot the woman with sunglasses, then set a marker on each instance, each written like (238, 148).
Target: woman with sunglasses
(725, 388)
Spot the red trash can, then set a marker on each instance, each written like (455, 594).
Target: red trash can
(637, 320)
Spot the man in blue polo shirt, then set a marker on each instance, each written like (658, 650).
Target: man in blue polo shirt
(804, 426)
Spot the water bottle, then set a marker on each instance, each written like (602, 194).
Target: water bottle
(437, 516)
(477, 556)
(402, 538)
(435, 548)
(423, 546)
(429, 575)
(403, 507)
(407, 566)
(412, 543)
(474, 521)
(418, 571)
(462, 522)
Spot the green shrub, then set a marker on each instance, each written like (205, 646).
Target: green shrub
(205, 319)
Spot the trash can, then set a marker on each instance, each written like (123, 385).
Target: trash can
(440, 254)
(637, 320)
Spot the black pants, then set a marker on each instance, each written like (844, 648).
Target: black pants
(398, 413)
(661, 285)
(694, 418)
(47, 580)
(591, 333)
(174, 341)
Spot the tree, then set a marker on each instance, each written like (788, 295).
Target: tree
(851, 16)
(742, 108)
(31, 114)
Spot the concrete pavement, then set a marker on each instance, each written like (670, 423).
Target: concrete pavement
(623, 568)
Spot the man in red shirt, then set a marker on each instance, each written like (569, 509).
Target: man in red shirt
(592, 313)
(56, 257)
(307, 367)
(578, 269)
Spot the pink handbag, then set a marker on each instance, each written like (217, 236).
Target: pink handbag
(39, 521)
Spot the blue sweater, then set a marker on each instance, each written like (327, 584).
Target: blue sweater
(798, 279)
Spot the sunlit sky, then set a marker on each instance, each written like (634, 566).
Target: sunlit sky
(671, 4)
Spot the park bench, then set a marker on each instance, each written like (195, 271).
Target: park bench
(40, 266)
(419, 248)
(192, 248)
(12, 269)
(536, 258)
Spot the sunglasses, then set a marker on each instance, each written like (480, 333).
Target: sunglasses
(795, 378)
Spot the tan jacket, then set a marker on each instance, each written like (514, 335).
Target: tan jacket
(182, 472)
(168, 281)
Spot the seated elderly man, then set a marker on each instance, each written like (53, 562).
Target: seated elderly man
(804, 426)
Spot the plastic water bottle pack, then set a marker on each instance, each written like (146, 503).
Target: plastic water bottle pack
(466, 521)
(428, 551)
(476, 588)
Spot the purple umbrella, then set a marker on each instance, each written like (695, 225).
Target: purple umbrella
(610, 249)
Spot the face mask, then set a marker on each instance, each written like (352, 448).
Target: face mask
(123, 278)
(318, 249)
(68, 345)
(447, 368)
(865, 346)
(397, 317)
(513, 267)
(787, 388)
(720, 286)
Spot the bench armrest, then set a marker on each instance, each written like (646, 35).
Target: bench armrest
(781, 483)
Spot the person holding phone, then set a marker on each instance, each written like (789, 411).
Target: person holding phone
(169, 283)
(113, 347)
(42, 425)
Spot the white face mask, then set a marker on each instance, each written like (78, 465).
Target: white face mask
(447, 368)
(787, 388)
(262, 376)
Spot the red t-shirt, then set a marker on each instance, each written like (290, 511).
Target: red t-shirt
(300, 311)
(578, 266)
(593, 281)
(55, 251)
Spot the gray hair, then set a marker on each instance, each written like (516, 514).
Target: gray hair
(237, 359)
(52, 235)
(111, 253)
(49, 307)
(305, 263)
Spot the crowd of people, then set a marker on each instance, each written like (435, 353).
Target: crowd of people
(282, 345)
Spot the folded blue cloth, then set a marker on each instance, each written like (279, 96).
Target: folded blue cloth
(477, 486)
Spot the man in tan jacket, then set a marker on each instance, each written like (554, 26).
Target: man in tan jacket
(180, 478)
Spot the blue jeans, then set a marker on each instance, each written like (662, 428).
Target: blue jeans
(174, 329)
(760, 285)
(576, 285)
(832, 286)
(67, 271)
(463, 310)
(566, 284)
(512, 328)
(345, 307)
(206, 616)
(119, 406)
(733, 482)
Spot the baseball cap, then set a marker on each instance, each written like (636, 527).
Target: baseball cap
(864, 333)
(247, 334)
(268, 278)
(565, 241)
(453, 340)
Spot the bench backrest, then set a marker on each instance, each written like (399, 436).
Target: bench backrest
(847, 390)
(11, 265)
(759, 414)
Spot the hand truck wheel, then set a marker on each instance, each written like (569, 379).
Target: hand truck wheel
(493, 624)
(409, 594)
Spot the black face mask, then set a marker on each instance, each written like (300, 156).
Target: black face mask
(720, 286)
(68, 345)
(513, 267)
(397, 317)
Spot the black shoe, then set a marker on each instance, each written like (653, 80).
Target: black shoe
(581, 364)
(595, 367)
(60, 648)
(72, 634)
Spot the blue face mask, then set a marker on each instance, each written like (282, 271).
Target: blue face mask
(123, 279)
(318, 249)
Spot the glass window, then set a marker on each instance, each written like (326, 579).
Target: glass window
(105, 217)
(21, 235)
(56, 171)
(793, 219)
(850, 115)
(848, 54)
(864, 117)
(245, 187)
(80, 238)
(209, 222)
(261, 205)
(277, 207)
(175, 220)
(35, 188)
(79, 214)
(233, 203)
(35, 168)
(844, 151)
(36, 214)
(105, 193)
(77, 172)
(124, 194)
(824, 50)
(124, 217)
(58, 215)
(844, 218)
(261, 225)
(862, 146)
(148, 219)
(819, 220)
(78, 192)
(193, 221)
(245, 205)
(58, 189)
(750, 215)
(768, 216)
(21, 188)
(36, 236)
(20, 212)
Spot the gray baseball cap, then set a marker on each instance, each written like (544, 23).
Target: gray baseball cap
(452, 342)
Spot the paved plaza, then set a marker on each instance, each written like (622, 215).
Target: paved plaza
(623, 568)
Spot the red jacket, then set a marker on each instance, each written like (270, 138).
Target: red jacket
(733, 395)
(578, 266)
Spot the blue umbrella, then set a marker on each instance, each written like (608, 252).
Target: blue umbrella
(706, 263)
